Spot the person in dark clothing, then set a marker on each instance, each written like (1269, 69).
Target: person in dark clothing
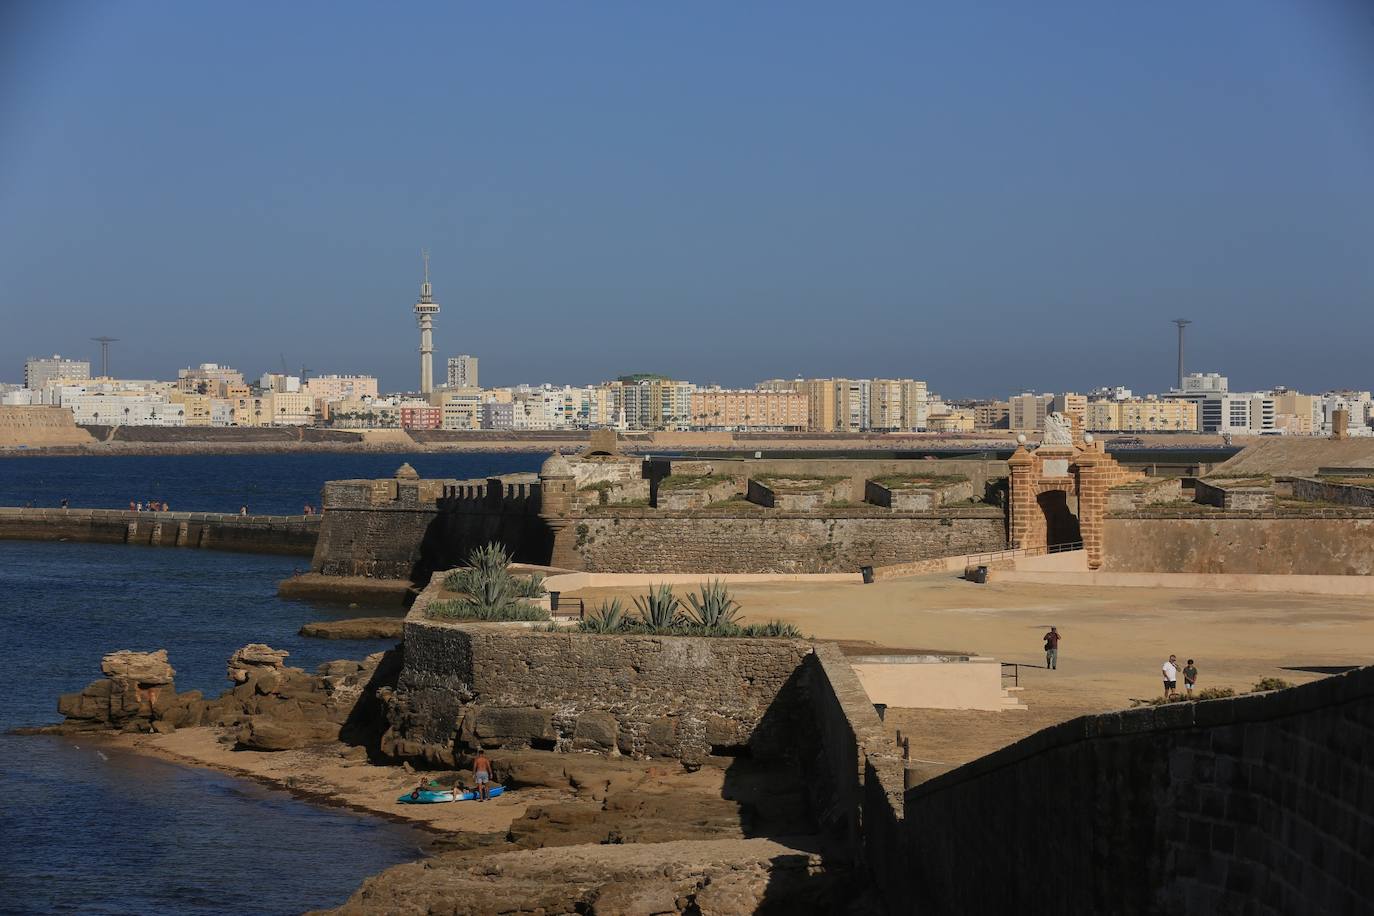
(1052, 649)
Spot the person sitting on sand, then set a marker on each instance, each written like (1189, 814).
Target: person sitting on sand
(481, 772)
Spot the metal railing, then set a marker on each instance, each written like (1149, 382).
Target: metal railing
(1015, 674)
(978, 559)
(571, 608)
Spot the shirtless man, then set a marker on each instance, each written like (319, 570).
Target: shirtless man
(481, 772)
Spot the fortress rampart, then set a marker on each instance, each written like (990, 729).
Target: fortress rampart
(289, 534)
(1256, 804)
(1330, 540)
(619, 515)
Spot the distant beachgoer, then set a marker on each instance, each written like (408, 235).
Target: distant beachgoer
(133, 506)
(243, 510)
(1170, 669)
(1052, 649)
(140, 507)
(64, 502)
(481, 772)
(1190, 677)
(165, 507)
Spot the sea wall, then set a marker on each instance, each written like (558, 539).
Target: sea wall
(282, 534)
(1258, 804)
(406, 529)
(771, 540)
(1334, 541)
(499, 685)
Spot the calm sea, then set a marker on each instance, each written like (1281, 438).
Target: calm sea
(266, 484)
(91, 830)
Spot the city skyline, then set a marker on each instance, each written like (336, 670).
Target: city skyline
(983, 198)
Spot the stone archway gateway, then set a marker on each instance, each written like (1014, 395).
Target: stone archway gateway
(1067, 472)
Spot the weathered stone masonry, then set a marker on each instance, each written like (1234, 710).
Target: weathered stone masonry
(292, 534)
(493, 685)
(1259, 804)
(657, 540)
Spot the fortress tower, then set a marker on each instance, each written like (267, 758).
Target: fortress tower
(425, 310)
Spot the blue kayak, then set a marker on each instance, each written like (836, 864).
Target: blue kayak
(432, 797)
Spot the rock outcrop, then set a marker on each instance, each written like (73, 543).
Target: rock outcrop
(138, 693)
(356, 628)
(272, 707)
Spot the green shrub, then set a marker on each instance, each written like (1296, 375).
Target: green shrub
(714, 608)
(458, 609)
(774, 629)
(610, 617)
(1215, 693)
(489, 591)
(660, 609)
(1270, 683)
(531, 586)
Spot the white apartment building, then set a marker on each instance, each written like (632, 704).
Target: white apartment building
(100, 408)
(39, 371)
(1357, 406)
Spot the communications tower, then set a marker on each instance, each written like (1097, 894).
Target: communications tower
(425, 310)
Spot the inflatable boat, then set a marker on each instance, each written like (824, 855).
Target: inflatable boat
(434, 797)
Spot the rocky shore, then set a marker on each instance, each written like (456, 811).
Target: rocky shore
(576, 832)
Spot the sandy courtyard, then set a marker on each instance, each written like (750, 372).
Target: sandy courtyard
(1114, 641)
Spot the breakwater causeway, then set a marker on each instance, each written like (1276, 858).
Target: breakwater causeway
(293, 535)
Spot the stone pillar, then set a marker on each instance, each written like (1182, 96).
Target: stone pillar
(1340, 423)
(1021, 505)
(1094, 480)
(183, 533)
(557, 482)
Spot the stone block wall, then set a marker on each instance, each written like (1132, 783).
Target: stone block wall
(1147, 492)
(758, 540)
(1257, 804)
(1333, 542)
(498, 685)
(1339, 493)
(696, 497)
(1245, 497)
(776, 496)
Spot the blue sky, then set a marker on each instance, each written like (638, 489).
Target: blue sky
(991, 195)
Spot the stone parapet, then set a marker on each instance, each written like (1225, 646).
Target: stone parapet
(1245, 804)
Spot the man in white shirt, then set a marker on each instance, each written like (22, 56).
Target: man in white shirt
(1171, 677)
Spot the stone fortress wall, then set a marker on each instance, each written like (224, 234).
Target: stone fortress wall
(597, 514)
(1255, 803)
(39, 427)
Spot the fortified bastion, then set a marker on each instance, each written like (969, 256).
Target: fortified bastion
(608, 513)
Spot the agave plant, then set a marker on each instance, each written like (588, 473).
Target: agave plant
(660, 609)
(714, 609)
(775, 629)
(486, 581)
(610, 617)
(531, 586)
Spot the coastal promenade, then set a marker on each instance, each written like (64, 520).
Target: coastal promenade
(275, 534)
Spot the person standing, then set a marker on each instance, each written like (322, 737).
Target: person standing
(481, 772)
(1052, 649)
(1189, 678)
(1171, 677)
